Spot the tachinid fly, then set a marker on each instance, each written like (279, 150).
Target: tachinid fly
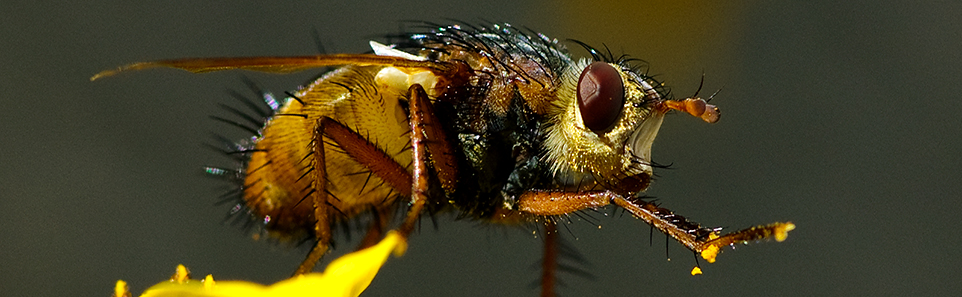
(494, 123)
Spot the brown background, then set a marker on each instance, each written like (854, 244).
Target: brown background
(844, 118)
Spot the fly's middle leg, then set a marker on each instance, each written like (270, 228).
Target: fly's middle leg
(382, 218)
(427, 137)
(549, 264)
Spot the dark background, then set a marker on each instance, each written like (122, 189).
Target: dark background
(843, 118)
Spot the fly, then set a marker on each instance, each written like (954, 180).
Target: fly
(494, 123)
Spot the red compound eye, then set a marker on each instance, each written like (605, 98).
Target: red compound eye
(601, 96)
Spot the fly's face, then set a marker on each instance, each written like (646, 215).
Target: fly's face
(605, 121)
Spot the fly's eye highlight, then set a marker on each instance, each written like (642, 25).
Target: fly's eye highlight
(601, 95)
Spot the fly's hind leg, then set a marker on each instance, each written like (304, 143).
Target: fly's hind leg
(322, 225)
(426, 135)
(362, 151)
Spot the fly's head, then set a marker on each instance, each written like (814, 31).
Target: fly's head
(604, 120)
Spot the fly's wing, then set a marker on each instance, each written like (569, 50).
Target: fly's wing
(284, 64)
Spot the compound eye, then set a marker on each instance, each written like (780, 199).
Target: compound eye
(601, 96)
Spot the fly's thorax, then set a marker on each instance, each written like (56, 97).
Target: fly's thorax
(399, 81)
(603, 123)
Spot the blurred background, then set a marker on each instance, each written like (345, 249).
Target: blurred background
(843, 117)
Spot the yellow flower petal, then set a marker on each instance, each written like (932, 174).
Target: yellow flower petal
(346, 276)
(710, 252)
(121, 289)
(781, 232)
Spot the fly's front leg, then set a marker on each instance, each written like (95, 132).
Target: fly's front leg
(556, 203)
(553, 203)
(705, 241)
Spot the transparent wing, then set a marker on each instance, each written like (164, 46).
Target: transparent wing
(282, 64)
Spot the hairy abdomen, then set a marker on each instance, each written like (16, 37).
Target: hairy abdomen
(278, 181)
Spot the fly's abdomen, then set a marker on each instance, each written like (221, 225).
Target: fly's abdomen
(279, 180)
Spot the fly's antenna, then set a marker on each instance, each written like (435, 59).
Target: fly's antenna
(700, 84)
(712, 95)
